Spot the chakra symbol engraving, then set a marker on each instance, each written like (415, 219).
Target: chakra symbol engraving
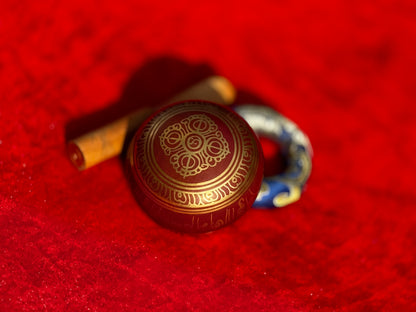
(194, 144)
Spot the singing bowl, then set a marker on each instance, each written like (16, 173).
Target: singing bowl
(195, 166)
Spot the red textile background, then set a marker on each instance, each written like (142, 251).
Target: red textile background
(344, 71)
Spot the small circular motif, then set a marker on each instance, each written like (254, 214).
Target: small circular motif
(194, 144)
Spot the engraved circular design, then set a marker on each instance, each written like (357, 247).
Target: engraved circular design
(193, 145)
(196, 158)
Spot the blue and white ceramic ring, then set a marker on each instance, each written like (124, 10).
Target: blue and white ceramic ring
(285, 188)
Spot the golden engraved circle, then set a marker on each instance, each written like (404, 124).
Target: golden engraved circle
(194, 142)
(191, 143)
(194, 146)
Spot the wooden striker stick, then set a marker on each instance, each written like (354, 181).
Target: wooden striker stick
(106, 142)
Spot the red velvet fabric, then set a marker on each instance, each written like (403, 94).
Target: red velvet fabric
(344, 71)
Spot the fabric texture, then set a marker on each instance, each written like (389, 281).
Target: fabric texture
(344, 71)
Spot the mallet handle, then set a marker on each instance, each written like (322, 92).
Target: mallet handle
(106, 142)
